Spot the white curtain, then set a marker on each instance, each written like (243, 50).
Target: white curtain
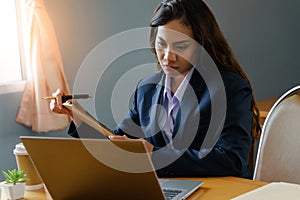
(44, 68)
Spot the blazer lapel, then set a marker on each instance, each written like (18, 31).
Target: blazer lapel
(154, 129)
(188, 117)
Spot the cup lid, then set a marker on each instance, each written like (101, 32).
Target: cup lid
(20, 149)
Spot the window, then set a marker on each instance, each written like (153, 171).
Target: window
(10, 62)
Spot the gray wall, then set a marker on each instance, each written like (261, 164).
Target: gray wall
(264, 36)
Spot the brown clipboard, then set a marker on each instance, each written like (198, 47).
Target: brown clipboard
(88, 119)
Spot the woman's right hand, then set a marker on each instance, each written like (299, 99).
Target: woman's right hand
(56, 105)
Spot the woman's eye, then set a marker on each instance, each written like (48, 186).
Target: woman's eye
(181, 47)
(160, 44)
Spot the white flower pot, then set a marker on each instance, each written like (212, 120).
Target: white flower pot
(14, 191)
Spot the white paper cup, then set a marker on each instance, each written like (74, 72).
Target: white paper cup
(1, 183)
(24, 163)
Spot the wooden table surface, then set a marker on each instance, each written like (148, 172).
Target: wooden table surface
(220, 188)
(213, 188)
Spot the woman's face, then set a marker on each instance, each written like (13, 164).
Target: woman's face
(175, 48)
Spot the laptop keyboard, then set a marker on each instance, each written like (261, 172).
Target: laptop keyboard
(171, 193)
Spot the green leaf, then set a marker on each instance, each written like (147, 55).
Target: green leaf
(5, 174)
(15, 176)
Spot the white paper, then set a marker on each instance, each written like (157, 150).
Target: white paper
(273, 191)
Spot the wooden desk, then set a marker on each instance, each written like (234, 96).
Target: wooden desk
(264, 107)
(223, 188)
(213, 188)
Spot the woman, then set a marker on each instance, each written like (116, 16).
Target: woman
(193, 124)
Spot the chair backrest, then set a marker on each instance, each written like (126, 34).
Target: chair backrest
(278, 156)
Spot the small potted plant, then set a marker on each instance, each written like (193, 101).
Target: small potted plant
(14, 186)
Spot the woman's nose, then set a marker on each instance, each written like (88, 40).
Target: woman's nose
(169, 56)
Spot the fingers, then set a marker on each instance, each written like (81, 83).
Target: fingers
(118, 137)
(58, 95)
(57, 109)
(148, 145)
(56, 104)
(52, 105)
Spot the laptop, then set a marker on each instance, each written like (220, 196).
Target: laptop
(101, 169)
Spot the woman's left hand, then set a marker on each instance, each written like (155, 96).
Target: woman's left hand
(148, 145)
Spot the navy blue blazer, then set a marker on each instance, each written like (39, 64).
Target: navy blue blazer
(195, 121)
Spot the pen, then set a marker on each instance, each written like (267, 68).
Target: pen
(71, 96)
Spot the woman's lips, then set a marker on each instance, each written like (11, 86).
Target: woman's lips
(170, 67)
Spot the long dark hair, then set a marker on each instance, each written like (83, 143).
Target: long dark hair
(196, 15)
